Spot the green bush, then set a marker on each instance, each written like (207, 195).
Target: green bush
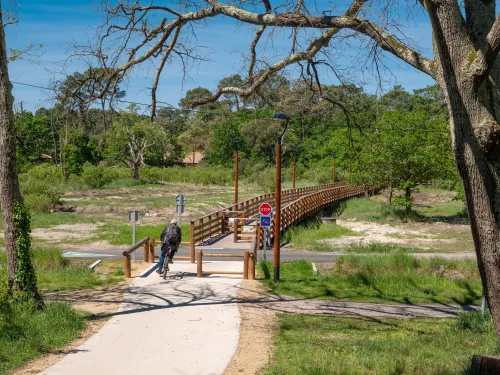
(97, 177)
(39, 194)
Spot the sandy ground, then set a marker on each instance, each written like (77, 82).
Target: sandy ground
(99, 302)
(425, 236)
(257, 330)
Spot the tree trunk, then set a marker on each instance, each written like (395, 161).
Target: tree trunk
(389, 194)
(475, 132)
(135, 171)
(9, 184)
(408, 199)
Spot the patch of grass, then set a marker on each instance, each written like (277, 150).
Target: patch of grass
(311, 345)
(377, 211)
(395, 277)
(380, 248)
(119, 234)
(307, 234)
(46, 220)
(57, 273)
(26, 333)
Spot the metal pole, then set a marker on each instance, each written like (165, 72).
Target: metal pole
(265, 243)
(483, 304)
(133, 238)
(277, 215)
(294, 172)
(236, 178)
(334, 169)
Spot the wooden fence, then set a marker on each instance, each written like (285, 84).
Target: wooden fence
(217, 223)
(313, 203)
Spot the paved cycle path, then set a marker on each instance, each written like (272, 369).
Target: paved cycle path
(182, 325)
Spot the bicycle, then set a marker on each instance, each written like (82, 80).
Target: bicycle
(165, 268)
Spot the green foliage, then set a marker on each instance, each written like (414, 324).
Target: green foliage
(25, 277)
(395, 277)
(77, 152)
(96, 177)
(314, 345)
(476, 322)
(39, 189)
(221, 149)
(28, 333)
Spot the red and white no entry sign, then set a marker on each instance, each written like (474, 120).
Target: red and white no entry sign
(265, 209)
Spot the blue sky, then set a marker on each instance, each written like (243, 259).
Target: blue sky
(56, 23)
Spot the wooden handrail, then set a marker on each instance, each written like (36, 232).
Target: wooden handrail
(133, 248)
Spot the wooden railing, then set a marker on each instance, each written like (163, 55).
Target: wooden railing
(148, 245)
(311, 204)
(216, 223)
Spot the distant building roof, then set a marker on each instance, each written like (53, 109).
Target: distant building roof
(198, 157)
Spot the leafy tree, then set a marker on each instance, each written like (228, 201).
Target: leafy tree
(133, 136)
(403, 150)
(221, 149)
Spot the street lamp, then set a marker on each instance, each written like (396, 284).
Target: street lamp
(235, 142)
(277, 214)
(293, 150)
(334, 173)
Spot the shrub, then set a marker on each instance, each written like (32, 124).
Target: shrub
(39, 195)
(96, 177)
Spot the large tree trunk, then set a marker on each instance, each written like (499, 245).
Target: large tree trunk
(9, 183)
(135, 171)
(474, 130)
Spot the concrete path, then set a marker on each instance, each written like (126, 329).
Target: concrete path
(182, 325)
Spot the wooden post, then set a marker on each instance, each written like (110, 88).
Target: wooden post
(235, 228)
(246, 255)
(191, 242)
(145, 252)
(199, 266)
(223, 223)
(236, 178)
(127, 267)
(251, 266)
(152, 242)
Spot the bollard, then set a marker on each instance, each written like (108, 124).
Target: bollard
(199, 268)
(251, 267)
(246, 255)
(192, 242)
(127, 267)
(152, 242)
(145, 252)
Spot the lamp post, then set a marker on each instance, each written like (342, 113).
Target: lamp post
(235, 142)
(277, 214)
(334, 173)
(294, 165)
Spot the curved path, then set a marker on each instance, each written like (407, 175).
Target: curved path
(182, 325)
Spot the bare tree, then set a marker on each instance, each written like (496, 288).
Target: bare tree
(466, 41)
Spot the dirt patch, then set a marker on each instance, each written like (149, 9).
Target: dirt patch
(257, 330)
(421, 235)
(65, 231)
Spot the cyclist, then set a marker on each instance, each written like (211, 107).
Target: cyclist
(170, 238)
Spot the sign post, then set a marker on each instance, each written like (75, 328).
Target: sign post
(133, 216)
(181, 200)
(265, 210)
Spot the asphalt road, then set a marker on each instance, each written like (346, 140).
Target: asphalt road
(286, 255)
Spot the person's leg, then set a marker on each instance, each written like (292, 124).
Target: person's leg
(162, 257)
(172, 253)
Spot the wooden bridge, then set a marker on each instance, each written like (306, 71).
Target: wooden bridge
(297, 205)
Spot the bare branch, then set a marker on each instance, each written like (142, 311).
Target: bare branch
(166, 55)
(255, 41)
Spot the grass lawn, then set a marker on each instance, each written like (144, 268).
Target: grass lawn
(57, 273)
(387, 278)
(381, 248)
(121, 234)
(310, 345)
(26, 333)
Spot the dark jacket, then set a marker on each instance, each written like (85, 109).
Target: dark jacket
(164, 233)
